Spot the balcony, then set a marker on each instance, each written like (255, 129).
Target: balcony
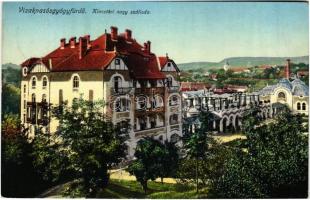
(154, 90)
(150, 132)
(172, 89)
(121, 91)
(140, 112)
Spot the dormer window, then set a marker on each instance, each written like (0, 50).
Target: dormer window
(33, 82)
(76, 82)
(117, 61)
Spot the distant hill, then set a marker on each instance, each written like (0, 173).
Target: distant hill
(10, 65)
(243, 61)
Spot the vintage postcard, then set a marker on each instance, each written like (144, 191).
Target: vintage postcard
(168, 99)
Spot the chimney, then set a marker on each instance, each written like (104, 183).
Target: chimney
(62, 43)
(72, 42)
(82, 47)
(128, 34)
(50, 63)
(87, 37)
(108, 43)
(147, 47)
(287, 69)
(113, 33)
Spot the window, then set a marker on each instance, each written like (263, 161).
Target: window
(76, 82)
(169, 64)
(169, 82)
(153, 122)
(117, 61)
(33, 98)
(25, 104)
(91, 95)
(117, 83)
(44, 82)
(60, 97)
(122, 105)
(25, 88)
(298, 106)
(44, 98)
(33, 82)
(303, 106)
(141, 102)
(281, 95)
(142, 123)
(174, 100)
(173, 119)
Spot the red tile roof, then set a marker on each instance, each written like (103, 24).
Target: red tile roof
(141, 64)
(163, 61)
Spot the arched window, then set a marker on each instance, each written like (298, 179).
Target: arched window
(33, 98)
(298, 106)
(303, 106)
(281, 95)
(44, 98)
(44, 82)
(33, 82)
(76, 83)
(117, 83)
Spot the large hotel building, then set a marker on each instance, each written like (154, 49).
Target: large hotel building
(142, 87)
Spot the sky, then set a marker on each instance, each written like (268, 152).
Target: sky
(187, 31)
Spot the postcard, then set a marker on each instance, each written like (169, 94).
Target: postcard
(170, 99)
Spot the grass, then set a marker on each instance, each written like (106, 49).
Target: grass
(132, 189)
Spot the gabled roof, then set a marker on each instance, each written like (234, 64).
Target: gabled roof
(163, 60)
(141, 64)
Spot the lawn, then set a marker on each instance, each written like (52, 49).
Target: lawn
(132, 189)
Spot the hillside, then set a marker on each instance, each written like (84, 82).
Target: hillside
(244, 61)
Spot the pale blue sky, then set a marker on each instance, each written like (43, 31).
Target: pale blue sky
(188, 31)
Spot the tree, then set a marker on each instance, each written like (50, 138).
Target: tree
(273, 165)
(10, 99)
(19, 178)
(168, 161)
(85, 146)
(153, 160)
(197, 144)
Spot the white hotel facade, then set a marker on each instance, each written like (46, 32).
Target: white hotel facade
(114, 68)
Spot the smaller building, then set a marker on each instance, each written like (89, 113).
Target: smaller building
(294, 93)
(194, 86)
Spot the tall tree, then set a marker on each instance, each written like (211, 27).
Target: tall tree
(85, 146)
(153, 160)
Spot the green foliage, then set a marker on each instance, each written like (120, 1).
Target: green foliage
(84, 148)
(10, 99)
(18, 177)
(153, 160)
(11, 74)
(274, 163)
